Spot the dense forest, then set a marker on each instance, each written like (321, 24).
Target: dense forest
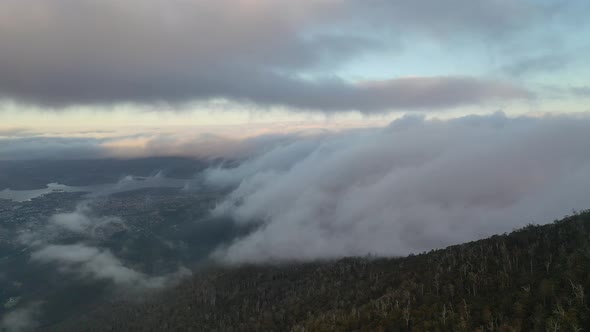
(533, 279)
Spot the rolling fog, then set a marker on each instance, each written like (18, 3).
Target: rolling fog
(412, 186)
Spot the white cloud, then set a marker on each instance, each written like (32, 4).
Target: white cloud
(81, 221)
(101, 264)
(88, 260)
(413, 186)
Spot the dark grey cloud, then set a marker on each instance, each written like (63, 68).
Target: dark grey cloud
(63, 52)
(413, 186)
(404, 93)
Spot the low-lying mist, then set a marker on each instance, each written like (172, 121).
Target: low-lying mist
(412, 186)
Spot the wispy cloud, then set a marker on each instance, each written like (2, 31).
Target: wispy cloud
(583, 91)
(22, 319)
(87, 258)
(537, 64)
(100, 264)
(80, 222)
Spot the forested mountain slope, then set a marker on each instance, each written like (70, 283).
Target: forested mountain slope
(533, 279)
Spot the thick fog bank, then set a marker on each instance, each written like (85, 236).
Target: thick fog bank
(412, 186)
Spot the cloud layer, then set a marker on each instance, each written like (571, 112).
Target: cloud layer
(61, 52)
(413, 186)
(37, 146)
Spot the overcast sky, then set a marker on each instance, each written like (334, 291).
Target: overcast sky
(68, 66)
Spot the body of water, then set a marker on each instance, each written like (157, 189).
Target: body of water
(128, 183)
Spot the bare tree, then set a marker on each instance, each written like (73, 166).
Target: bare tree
(406, 313)
(578, 290)
(553, 326)
(443, 314)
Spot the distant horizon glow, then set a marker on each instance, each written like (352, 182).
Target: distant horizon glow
(243, 69)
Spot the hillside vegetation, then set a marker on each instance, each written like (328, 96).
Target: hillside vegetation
(533, 279)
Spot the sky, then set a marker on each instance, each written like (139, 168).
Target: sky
(127, 74)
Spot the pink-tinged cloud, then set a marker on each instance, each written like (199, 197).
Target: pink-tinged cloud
(62, 52)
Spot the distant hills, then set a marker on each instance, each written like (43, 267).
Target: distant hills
(533, 279)
(36, 174)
